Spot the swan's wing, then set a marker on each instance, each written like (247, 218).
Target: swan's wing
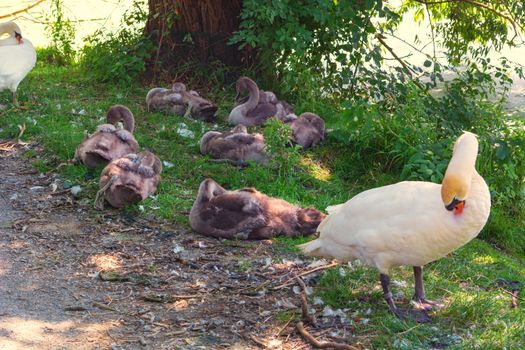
(241, 139)
(262, 112)
(15, 62)
(388, 222)
(231, 214)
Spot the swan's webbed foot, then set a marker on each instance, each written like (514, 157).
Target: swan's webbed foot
(427, 305)
(420, 300)
(420, 316)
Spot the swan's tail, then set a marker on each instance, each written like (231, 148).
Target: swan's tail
(324, 246)
(333, 208)
(312, 248)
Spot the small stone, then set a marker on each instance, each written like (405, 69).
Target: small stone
(178, 249)
(183, 131)
(75, 190)
(318, 301)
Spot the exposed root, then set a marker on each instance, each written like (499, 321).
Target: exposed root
(321, 345)
(310, 318)
(318, 268)
(304, 303)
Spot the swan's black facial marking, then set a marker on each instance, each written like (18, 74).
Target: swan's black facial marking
(18, 37)
(456, 205)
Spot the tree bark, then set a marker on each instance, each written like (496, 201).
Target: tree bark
(195, 31)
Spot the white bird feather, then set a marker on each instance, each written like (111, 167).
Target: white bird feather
(404, 223)
(16, 59)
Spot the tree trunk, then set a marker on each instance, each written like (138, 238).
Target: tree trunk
(195, 31)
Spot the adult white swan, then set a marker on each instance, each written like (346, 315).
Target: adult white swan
(409, 223)
(17, 58)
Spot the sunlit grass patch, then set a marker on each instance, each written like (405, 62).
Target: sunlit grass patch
(63, 104)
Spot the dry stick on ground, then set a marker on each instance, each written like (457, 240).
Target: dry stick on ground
(284, 327)
(304, 302)
(10, 145)
(290, 281)
(514, 298)
(258, 341)
(324, 345)
(311, 319)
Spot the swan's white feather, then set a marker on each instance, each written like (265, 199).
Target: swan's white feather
(16, 60)
(400, 224)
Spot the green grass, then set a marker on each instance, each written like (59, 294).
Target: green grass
(477, 313)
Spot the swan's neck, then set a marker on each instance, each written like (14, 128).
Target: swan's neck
(253, 99)
(8, 41)
(128, 122)
(7, 28)
(479, 191)
(477, 208)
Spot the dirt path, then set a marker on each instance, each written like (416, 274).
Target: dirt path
(74, 278)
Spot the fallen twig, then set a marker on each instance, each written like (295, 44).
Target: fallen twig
(512, 288)
(10, 145)
(104, 307)
(304, 303)
(75, 308)
(166, 298)
(290, 281)
(254, 290)
(321, 345)
(258, 341)
(7, 146)
(285, 325)
(514, 298)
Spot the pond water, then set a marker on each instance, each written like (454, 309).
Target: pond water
(88, 15)
(91, 15)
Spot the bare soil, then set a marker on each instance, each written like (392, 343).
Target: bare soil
(72, 277)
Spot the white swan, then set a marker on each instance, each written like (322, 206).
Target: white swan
(17, 58)
(409, 223)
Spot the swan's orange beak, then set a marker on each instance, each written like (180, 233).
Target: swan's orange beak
(459, 208)
(456, 205)
(18, 38)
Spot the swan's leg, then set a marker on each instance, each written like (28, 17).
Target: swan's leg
(419, 295)
(15, 100)
(417, 315)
